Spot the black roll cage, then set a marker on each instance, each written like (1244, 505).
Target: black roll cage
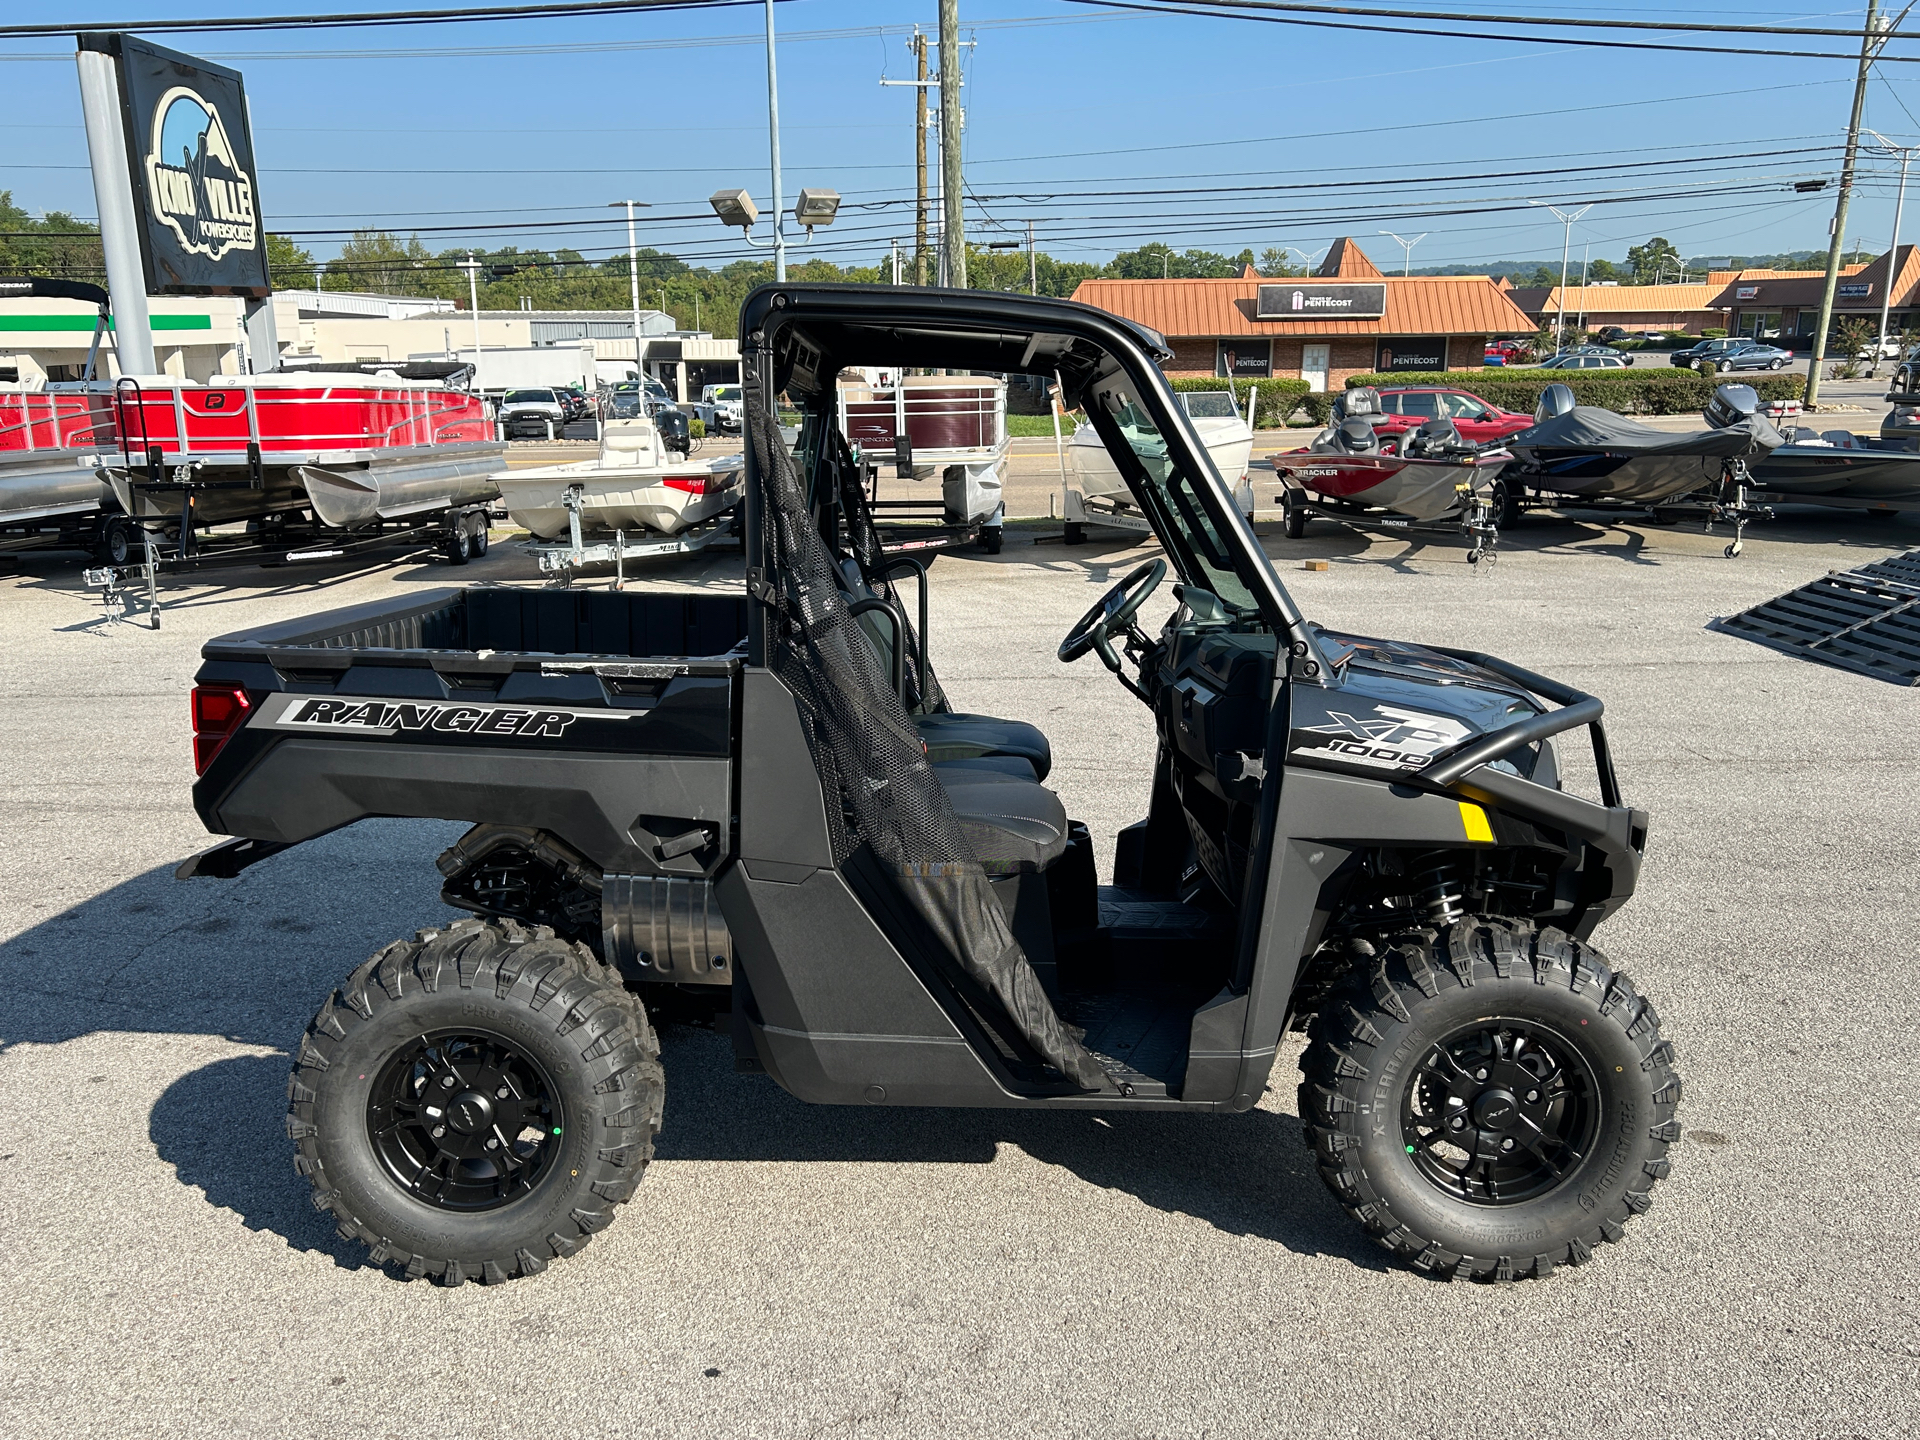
(804, 334)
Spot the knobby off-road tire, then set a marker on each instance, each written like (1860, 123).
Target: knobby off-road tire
(505, 1011)
(1379, 1116)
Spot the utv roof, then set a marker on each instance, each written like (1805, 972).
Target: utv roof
(829, 326)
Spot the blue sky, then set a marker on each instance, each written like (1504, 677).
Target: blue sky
(412, 127)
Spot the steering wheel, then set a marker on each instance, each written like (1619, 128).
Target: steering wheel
(1115, 611)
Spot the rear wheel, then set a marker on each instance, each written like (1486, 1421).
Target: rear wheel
(1490, 1103)
(459, 545)
(480, 537)
(473, 1104)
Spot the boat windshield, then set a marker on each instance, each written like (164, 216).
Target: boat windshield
(1210, 405)
(1175, 494)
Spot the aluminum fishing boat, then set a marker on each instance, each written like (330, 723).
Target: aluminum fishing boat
(1839, 468)
(636, 483)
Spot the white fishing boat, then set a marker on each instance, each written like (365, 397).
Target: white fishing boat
(1097, 494)
(636, 483)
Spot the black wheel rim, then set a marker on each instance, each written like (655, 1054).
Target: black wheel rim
(1500, 1112)
(465, 1120)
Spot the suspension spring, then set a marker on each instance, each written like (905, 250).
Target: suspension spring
(1439, 886)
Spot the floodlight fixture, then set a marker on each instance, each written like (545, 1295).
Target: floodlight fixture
(816, 207)
(736, 207)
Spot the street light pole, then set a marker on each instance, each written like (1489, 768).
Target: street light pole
(1406, 267)
(1906, 153)
(1566, 218)
(633, 272)
(773, 148)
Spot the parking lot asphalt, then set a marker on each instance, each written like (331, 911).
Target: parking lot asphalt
(797, 1271)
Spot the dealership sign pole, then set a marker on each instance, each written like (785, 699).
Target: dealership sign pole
(113, 201)
(175, 185)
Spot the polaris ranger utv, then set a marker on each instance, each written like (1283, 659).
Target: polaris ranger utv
(762, 807)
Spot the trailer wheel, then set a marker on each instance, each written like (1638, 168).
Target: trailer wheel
(474, 1103)
(992, 538)
(1076, 534)
(1294, 512)
(1492, 1102)
(480, 536)
(114, 544)
(459, 545)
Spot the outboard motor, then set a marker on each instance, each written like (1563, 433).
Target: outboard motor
(1731, 405)
(675, 433)
(1555, 400)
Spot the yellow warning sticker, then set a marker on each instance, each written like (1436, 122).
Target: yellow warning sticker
(1478, 828)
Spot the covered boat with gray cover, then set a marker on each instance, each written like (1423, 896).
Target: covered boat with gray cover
(1595, 454)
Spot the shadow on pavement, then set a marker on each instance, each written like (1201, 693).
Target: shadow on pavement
(250, 959)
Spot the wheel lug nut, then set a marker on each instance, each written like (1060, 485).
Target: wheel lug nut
(495, 1144)
(438, 1131)
(1479, 1074)
(1532, 1095)
(1459, 1122)
(446, 1081)
(501, 1093)
(1504, 1144)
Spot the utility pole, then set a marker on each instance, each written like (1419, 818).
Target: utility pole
(954, 236)
(1566, 218)
(472, 267)
(1871, 39)
(1033, 263)
(1906, 154)
(920, 158)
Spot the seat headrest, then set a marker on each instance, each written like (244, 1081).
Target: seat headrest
(1356, 434)
(1555, 400)
(1364, 400)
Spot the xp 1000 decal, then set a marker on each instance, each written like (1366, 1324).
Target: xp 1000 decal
(1380, 737)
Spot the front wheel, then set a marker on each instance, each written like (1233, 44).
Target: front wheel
(474, 1103)
(1490, 1103)
(458, 547)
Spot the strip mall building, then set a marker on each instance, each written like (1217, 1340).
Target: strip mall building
(1346, 319)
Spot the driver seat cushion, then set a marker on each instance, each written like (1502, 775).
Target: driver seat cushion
(1014, 826)
(967, 737)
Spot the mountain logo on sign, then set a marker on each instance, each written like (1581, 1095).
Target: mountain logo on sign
(194, 180)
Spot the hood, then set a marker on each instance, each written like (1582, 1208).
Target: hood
(1396, 705)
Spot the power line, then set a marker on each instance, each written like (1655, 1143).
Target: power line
(553, 9)
(1188, 7)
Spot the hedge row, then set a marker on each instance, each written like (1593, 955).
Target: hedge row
(1278, 398)
(1629, 392)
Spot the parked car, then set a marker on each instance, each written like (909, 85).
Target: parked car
(538, 413)
(1569, 361)
(1508, 351)
(1733, 352)
(1625, 357)
(1408, 407)
(1611, 332)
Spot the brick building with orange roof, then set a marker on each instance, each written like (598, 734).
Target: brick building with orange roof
(1346, 319)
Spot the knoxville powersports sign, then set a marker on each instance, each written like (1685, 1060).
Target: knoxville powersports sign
(190, 150)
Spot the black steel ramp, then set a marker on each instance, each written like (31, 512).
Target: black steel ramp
(1866, 620)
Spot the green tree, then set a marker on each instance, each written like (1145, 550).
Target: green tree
(1652, 260)
(379, 263)
(1544, 275)
(288, 266)
(1275, 265)
(1602, 270)
(55, 245)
